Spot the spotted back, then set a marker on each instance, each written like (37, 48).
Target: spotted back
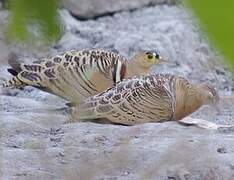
(74, 74)
(137, 100)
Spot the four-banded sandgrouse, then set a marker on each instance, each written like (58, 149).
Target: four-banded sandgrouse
(151, 98)
(83, 73)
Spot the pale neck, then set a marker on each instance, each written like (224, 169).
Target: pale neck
(134, 68)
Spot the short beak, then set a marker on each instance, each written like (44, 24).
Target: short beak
(161, 60)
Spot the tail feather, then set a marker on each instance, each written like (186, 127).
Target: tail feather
(14, 63)
(15, 69)
(13, 83)
(82, 112)
(12, 71)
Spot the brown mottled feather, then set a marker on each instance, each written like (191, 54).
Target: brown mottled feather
(72, 75)
(152, 98)
(137, 100)
(75, 75)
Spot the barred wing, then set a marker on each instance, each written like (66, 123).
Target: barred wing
(133, 101)
(72, 75)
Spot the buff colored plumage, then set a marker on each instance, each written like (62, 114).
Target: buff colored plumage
(78, 74)
(152, 98)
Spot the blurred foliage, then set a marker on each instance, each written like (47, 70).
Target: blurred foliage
(217, 19)
(42, 14)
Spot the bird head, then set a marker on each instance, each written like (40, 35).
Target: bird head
(209, 95)
(148, 58)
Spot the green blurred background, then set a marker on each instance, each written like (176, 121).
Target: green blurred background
(42, 13)
(215, 17)
(217, 20)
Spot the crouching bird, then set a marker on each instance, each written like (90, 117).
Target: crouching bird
(78, 74)
(151, 98)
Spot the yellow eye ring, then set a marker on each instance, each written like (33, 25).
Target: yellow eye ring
(150, 56)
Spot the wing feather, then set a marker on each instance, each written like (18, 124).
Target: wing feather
(71, 75)
(129, 102)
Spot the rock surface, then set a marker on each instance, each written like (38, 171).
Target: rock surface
(42, 148)
(36, 144)
(95, 8)
(167, 29)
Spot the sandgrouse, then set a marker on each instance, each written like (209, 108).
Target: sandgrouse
(83, 73)
(151, 98)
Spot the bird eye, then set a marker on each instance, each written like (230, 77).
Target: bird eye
(150, 56)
